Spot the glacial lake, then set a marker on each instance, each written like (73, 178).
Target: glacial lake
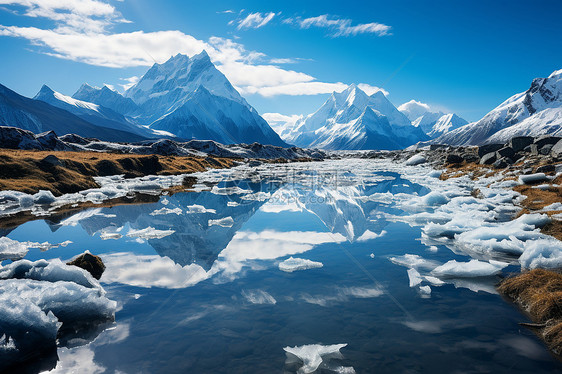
(201, 291)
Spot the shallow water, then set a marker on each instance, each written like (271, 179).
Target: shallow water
(210, 296)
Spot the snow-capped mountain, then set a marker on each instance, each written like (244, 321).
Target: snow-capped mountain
(190, 98)
(533, 112)
(108, 98)
(39, 116)
(354, 120)
(433, 124)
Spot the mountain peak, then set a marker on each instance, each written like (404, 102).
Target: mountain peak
(44, 91)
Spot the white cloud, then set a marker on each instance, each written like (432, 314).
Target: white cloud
(255, 20)
(131, 81)
(71, 15)
(278, 118)
(247, 70)
(369, 90)
(414, 109)
(341, 26)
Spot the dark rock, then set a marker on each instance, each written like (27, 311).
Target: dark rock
(519, 143)
(488, 158)
(89, 262)
(506, 152)
(527, 149)
(545, 168)
(188, 181)
(470, 157)
(527, 171)
(546, 139)
(453, 159)
(534, 149)
(556, 150)
(51, 161)
(434, 147)
(487, 148)
(545, 150)
(558, 168)
(500, 163)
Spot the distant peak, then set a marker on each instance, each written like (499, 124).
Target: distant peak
(378, 94)
(45, 90)
(556, 73)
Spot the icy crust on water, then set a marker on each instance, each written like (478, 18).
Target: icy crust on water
(312, 357)
(480, 227)
(293, 264)
(38, 299)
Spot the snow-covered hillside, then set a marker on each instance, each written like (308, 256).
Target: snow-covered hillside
(533, 112)
(432, 123)
(108, 98)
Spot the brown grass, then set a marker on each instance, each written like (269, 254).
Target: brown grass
(539, 293)
(475, 170)
(24, 170)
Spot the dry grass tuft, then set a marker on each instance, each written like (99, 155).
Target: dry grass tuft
(539, 293)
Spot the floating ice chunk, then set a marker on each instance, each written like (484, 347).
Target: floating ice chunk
(232, 204)
(425, 290)
(293, 264)
(414, 277)
(372, 255)
(195, 209)
(433, 280)
(68, 301)
(414, 261)
(44, 197)
(107, 235)
(471, 269)
(312, 355)
(415, 160)
(434, 174)
(50, 271)
(12, 249)
(223, 222)
(532, 178)
(164, 211)
(543, 253)
(434, 198)
(259, 297)
(149, 233)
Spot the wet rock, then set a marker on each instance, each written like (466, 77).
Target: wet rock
(519, 143)
(488, 148)
(434, 147)
(89, 262)
(488, 158)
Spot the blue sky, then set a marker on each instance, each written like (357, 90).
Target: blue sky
(285, 57)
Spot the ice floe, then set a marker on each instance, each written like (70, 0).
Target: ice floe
(198, 209)
(470, 269)
(293, 264)
(223, 222)
(164, 211)
(38, 298)
(149, 233)
(312, 357)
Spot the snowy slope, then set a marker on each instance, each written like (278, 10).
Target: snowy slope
(39, 116)
(433, 124)
(446, 123)
(93, 113)
(106, 97)
(533, 112)
(189, 97)
(354, 120)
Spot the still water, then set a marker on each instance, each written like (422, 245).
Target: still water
(201, 291)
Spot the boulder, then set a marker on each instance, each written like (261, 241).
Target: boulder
(506, 152)
(546, 168)
(518, 143)
(453, 159)
(89, 262)
(434, 147)
(532, 178)
(500, 163)
(556, 150)
(487, 148)
(51, 161)
(546, 149)
(546, 139)
(488, 158)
